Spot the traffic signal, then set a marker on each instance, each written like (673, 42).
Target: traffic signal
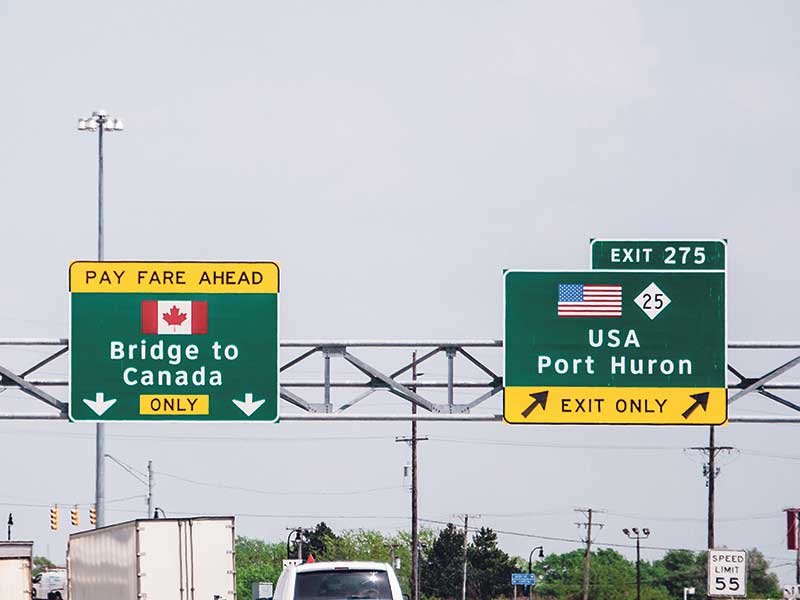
(54, 518)
(75, 517)
(92, 515)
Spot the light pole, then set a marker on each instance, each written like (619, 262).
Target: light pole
(100, 122)
(298, 540)
(530, 565)
(149, 483)
(634, 534)
(687, 592)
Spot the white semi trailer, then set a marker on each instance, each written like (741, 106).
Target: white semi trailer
(154, 559)
(15, 570)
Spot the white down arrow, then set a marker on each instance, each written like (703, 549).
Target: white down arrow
(249, 406)
(100, 405)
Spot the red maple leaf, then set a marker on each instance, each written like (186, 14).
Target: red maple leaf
(174, 317)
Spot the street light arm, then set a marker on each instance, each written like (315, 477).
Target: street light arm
(129, 469)
(530, 556)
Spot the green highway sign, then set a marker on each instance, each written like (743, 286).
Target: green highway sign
(615, 347)
(650, 255)
(179, 341)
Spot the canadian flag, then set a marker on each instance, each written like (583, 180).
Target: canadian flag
(174, 317)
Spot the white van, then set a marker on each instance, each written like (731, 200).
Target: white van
(50, 585)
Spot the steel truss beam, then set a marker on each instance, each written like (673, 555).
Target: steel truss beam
(483, 380)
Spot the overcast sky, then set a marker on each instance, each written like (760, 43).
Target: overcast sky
(395, 157)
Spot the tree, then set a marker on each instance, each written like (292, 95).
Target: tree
(681, 569)
(489, 567)
(317, 540)
(257, 561)
(442, 564)
(40, 563)
(761, 583)
(611, 577)
(371, 545)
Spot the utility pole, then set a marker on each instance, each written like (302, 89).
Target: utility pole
(710, 470)
(150, 489)
(466, 543)
(588, 557)
(712, 478)
(414, 583)
(589, 512)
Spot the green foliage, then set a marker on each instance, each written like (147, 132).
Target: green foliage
(375, 546)
(317, 540)
(611, 577)
(489, 567)
(40, 563)
(560, 576)
(257, 561)
(443, 564)
(760, 582)
(680, 569)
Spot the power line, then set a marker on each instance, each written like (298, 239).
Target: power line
(578, 542)
(495, 442)
(205, 438)
(278, 493)
(760, 516)
(64, 503)
(437, 439)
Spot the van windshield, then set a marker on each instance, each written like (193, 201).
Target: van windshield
(342, 585)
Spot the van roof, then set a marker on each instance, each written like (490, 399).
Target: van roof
(342, 565)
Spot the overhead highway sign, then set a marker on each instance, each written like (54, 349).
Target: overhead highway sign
(615, 347)
(673, 255)
(179, 341)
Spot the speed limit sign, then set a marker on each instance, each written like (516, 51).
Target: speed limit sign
(727, 573)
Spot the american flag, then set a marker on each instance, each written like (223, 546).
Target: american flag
(589, 300)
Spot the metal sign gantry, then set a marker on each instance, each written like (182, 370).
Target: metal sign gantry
(393, 377)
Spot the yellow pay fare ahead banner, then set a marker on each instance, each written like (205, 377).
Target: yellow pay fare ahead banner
(174, 277)
(615, 406)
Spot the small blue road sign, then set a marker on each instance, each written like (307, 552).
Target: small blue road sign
(523, 579)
